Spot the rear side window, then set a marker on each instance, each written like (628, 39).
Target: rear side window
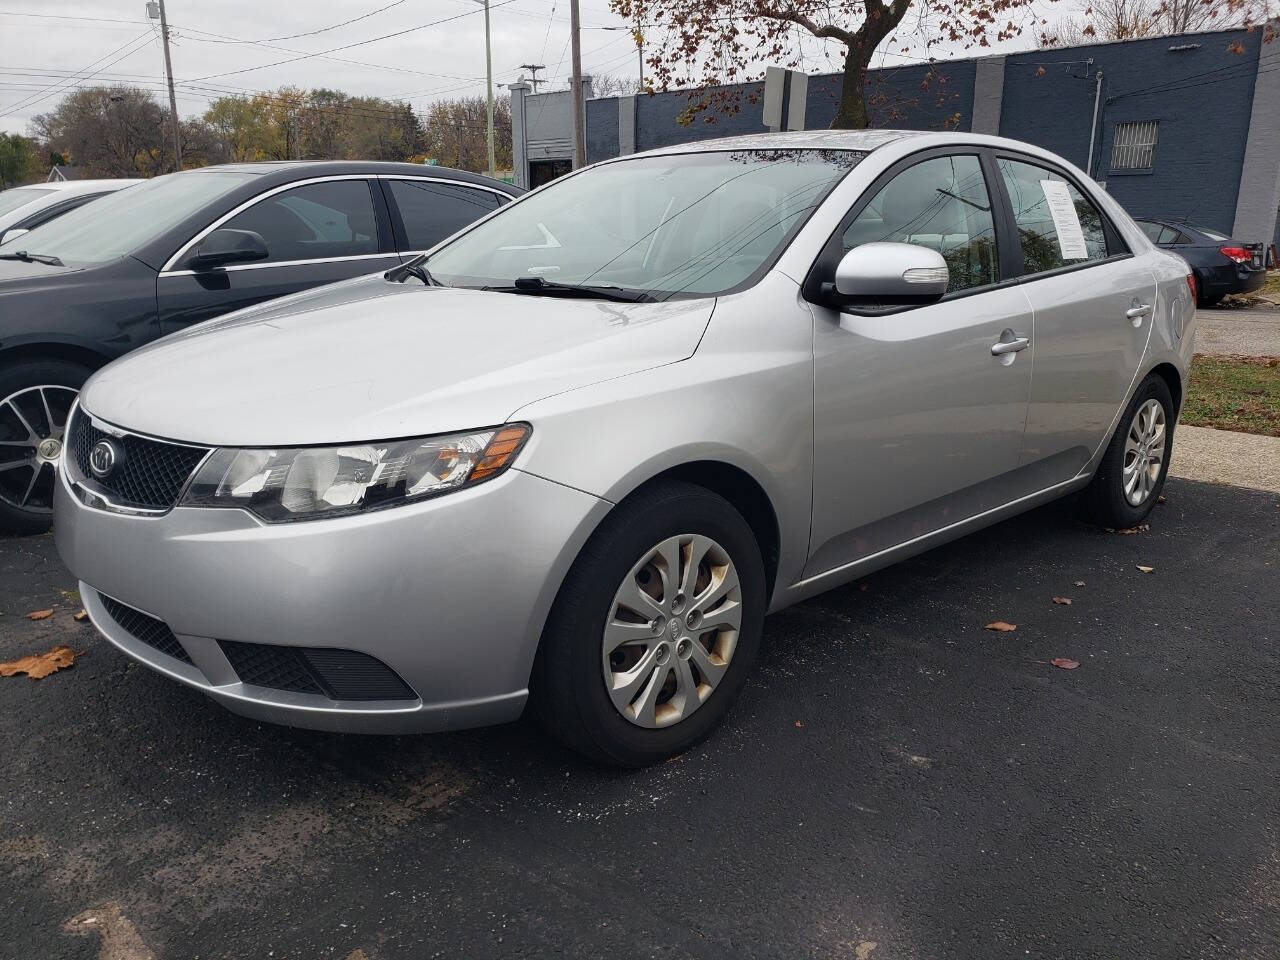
(432, 211)
(942, 204)
(1152, 230)
(1057, 225)
(316, 221)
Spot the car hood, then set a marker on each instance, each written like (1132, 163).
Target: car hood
(372, 360)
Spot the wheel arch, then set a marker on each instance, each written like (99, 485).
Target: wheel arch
(1173, 379)
(743, 492)
(53, 350)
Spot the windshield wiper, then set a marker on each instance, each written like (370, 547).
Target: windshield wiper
(540, 287)
(25, 257)
(413, 268)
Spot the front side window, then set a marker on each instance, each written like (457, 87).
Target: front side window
(1057, 225)
(316, 221)
(697, 224)
(432, 211)
(942, 204)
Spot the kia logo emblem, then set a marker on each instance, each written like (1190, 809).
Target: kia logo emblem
(103, 458)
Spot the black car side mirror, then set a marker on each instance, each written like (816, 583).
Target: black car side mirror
(229, 246)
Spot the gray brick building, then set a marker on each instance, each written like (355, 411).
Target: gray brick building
(1187, 126)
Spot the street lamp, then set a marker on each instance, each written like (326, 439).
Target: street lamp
(488, 82)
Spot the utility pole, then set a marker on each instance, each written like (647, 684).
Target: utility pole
(173, 100)
(579, 135)
(488, 79)
(533, 69)
(639, 35)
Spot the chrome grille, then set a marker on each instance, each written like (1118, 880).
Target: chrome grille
(151, 473)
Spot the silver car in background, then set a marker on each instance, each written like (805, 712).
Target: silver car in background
(574, 456)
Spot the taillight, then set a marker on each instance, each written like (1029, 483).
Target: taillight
(1191, 285)
(1238, 254)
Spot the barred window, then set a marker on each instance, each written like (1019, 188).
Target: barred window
(1134, 145)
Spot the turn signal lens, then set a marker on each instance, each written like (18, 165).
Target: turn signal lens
(1191, 285)
(312, 482)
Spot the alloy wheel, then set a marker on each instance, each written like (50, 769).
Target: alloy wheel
(1144, 452)
(32, 424)
(671, 630)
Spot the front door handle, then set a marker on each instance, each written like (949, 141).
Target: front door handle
(1003, 347)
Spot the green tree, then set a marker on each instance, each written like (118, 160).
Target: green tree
(19, 160)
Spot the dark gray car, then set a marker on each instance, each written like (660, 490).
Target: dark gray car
(163, 255)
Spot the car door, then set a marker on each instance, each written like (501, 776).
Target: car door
(425, 210)
(1093, 303)
(918, 424)
(316, 232)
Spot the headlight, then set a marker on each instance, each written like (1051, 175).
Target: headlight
(306, 483)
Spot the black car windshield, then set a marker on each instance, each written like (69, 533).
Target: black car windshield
(698, 224)
(121, 222)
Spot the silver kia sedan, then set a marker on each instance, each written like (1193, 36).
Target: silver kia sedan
(571, 457)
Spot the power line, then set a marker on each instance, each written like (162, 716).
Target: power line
(344, 23)
(358, 43)
(145, 37)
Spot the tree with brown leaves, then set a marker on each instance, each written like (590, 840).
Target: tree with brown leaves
(707, 42)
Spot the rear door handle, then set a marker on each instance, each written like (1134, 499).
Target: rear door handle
(1003, 347)
(1138, 311)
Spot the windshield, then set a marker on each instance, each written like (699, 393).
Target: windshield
(18, 197)
(695, 224)
(118, 224)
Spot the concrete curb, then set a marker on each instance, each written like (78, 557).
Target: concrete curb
(1224, 456)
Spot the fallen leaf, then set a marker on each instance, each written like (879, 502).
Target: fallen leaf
(40, 614)
(864, 950)
(799, 724)
(1001, 627)
(1161, 499)
(40, 665)
(1065, 663)
(1145, 569)
(1129, 531)
(1064, 601)
(81, 617)
(1079, 583)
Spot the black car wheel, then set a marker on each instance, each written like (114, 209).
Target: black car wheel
(654, 630)
(35, 400)
(1131, 475)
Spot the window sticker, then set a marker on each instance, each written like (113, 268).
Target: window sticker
(1066, 222)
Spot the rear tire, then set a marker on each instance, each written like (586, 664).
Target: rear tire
(1127, 484)
(580, 692)
(32, 392)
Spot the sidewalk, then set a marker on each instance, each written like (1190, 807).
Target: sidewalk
(1222, 456)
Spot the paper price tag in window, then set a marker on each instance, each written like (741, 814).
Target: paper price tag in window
(1066, 222)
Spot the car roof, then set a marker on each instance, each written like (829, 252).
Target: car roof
(87, 186)
(861, 140)
(283, 171)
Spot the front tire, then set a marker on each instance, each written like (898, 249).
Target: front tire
(1129, 479)
(654, 630)
(35, 398)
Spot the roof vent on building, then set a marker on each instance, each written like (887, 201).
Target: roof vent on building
(1184, 46)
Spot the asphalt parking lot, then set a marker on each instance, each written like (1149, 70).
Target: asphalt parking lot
(897, 782)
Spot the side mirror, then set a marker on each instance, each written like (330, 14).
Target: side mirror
(891, 274)
(229, 246)
(12, 233)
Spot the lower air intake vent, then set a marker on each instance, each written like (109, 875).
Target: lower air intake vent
(336, 674)
(141, 626)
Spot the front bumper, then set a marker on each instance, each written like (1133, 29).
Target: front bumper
(450, 593)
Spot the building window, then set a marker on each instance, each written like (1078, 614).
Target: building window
(1134, 145)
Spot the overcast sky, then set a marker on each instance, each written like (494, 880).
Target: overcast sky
(229, 46)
